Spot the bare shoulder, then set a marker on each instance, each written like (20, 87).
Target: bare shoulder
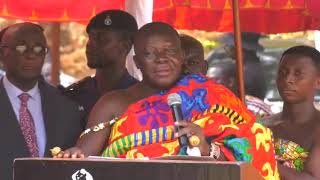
(113, 96)
(114, 100)
(317, 126)
(316, 134)
(273, 120)
(109, 106)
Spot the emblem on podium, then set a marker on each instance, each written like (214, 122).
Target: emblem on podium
(82, 174)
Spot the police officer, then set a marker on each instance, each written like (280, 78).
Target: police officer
(110, 40)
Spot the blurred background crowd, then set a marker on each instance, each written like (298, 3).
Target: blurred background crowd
(268, 49)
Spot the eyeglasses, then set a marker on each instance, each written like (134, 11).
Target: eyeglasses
(23, 49)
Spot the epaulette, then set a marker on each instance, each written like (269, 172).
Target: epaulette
(76, 85)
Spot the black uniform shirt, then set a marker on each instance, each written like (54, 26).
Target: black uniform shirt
(85, 92)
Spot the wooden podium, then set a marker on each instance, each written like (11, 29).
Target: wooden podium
(118, 169)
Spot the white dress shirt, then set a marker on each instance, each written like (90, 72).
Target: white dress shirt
(34, 107)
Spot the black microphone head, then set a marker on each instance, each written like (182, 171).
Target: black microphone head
(174, 98)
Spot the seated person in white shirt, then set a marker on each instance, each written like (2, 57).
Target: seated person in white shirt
(34, 116)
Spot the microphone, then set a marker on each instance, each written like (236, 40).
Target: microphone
(174, 101)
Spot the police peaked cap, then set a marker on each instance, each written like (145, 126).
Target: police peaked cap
(113, 20)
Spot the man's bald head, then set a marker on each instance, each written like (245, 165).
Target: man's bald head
(22, 50)
(158, 54)
(154, 29)
(9, 32)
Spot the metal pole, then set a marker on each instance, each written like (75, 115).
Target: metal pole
(238, 46)
(55, 53)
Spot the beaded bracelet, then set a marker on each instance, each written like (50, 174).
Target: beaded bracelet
(98, 127)
(214, 150)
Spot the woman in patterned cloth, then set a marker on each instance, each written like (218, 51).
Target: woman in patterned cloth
(296, 129)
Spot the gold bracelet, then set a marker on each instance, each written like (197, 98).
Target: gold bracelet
(214, 151)
(98, 127)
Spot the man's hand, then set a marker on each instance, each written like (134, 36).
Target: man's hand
(191, 129)
(73, 152)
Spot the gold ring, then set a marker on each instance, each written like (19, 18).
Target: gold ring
(55, 151)
(194, 140)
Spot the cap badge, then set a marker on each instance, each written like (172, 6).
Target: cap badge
(108, 21)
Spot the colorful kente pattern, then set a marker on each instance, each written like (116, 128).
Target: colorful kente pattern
(290, 154)
(146, 128)
(162, 134)
(130, 141)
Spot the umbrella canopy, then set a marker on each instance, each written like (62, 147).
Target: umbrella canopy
(266, 16)
(56, 10)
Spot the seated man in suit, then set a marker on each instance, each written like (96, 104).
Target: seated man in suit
(34, 116)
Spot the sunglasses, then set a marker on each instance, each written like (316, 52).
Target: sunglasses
(23, 49)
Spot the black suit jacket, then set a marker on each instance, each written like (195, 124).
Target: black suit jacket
(62, 123)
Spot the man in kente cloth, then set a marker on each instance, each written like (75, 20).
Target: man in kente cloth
(216, 121)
